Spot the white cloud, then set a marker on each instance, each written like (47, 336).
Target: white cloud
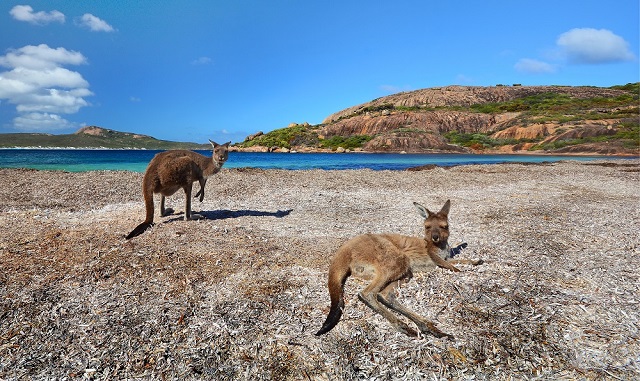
(41, 57)
(462, 79)
(54, 101)
(393, 89)
(528, 65)
(134, 99)
(45, 78)
(594, 46)
(41, 88)
(42, 122)
(201, 61)
(95, 24)
(25, 13)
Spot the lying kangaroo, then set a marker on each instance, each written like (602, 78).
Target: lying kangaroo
(178, 169)
(387, 259)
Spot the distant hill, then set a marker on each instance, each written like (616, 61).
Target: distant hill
(93, 137)
(506, 119)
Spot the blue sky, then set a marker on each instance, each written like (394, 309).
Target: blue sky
(194, 70)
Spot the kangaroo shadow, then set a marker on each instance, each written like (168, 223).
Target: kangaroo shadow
(225, 214)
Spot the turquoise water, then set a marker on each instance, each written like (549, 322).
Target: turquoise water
(76, 160)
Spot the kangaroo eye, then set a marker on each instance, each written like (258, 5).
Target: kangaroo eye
(446, 227)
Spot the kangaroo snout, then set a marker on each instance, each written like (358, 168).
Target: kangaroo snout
(435, 238)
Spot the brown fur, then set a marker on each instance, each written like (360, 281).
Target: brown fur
(172, 170)
(386, 260)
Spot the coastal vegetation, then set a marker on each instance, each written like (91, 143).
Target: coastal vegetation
(552, 104)
(627, 134)
(350, 142)
(304, 135)
(295, 134)
(478, 140)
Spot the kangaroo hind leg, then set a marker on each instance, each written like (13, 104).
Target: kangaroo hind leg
(188, 215)
(369, 297)
(164, 211)
(388, 297)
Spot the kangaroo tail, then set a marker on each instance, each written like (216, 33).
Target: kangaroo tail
(139, 229)
(148, 204)
(337, 278)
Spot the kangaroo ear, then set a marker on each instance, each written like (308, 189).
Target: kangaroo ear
(214, 144)
(445, 208)
(424, 212)
(227, 143)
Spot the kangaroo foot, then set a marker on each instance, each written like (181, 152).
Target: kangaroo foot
(428, 328)
(406, 330)
(167, 212)
(194, 216)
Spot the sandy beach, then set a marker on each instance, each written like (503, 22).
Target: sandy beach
(240, 294)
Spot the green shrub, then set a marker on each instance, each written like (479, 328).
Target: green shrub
(351, 142)
(476, 140)
(628, 134)
(285, 137)
(384, 106)
(628, 130)
(631, 87)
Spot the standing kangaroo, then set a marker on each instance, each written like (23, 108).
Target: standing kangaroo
(387, 259)
(178, 169)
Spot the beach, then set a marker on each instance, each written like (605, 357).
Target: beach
(240, 294)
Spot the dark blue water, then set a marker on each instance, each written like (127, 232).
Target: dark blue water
(76, 160)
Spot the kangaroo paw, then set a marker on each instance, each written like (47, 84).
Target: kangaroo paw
(167, 212)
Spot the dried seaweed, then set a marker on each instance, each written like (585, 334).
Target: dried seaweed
(240, 294)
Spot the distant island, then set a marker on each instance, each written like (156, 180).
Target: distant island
(455, 119)
(93, 137)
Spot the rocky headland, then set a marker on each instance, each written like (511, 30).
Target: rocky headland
(498, 119)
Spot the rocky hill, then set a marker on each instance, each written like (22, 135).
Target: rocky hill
(558, 119)
(93, 137)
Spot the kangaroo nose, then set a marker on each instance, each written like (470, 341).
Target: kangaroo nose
(435, 238)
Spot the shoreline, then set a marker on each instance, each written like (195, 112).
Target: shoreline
(307, 150)
(261, 149)
(240, 293)
(137, 160)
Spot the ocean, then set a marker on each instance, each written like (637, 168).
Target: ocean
(80, 160)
